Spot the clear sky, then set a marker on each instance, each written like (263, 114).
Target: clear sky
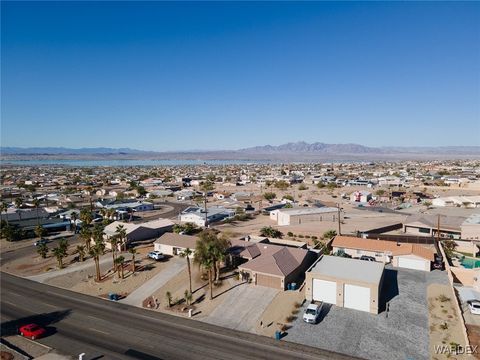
(176, 76)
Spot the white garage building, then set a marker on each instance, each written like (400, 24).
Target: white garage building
(345, 282)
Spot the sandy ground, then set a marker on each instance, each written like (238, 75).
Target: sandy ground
(201, 293)
(29, 266)
(83, 281)
(275, 315)
(441, 313)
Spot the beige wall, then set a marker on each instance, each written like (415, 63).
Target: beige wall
(357, 253)
(374, 289)
(471, 231)
(428, 265)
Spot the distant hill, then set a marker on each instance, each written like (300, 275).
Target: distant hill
(322, 148)
(293, 151)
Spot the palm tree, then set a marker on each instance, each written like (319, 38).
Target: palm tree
(86, 216)
(4, 208)
(133, 251)
(36, 203)
(42, 250)
(73, 220)
(98, 238)
(81, 252)
(119, 262)
(86, 235)
(95, 252)
(40, 231)
(59, 253)
(122, 235)
(186, 254)
(113, 244)
(209, 252)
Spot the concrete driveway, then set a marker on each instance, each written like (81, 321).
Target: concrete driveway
(242, 307)
(402, 335)
(175, 266)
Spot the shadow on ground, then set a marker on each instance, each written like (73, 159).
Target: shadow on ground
(389, 289)
(45, 320)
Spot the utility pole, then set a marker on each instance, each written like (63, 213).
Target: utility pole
(205, 207)
(438, 228)
(338, 218)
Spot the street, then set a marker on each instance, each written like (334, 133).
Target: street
(82, 324)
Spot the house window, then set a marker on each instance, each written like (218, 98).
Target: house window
(378, 254)
(424, 230)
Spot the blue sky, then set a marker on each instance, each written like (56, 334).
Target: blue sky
(175, 76)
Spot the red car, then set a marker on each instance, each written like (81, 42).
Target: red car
(32, 331)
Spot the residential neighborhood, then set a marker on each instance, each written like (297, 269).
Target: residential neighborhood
(277, 244)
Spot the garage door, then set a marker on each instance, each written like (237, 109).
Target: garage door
(356, 297)
(323, 290)
(416, 264)
(269, 281)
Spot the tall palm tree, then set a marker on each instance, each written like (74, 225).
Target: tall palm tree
(133, 251)
(36, 203)
(86, 235)
(119, 262)
(95, 252)
(122, 235)
(186, 254)
(113, 244)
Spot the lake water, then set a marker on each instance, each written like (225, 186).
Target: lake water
(116, 163)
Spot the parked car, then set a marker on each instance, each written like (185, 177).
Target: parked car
(474, 306)
(40, 242)
(312, 313)
(32, 331)
(367, 258)
(156, 255)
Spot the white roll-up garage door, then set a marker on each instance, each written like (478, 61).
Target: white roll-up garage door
(356, 297)
(324, 290)
(408, 263)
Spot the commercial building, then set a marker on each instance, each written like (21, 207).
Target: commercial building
(297, 216)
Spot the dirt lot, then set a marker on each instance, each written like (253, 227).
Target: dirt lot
(83, 281)
(444, 321)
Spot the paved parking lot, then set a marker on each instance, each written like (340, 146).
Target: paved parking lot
(404, 334)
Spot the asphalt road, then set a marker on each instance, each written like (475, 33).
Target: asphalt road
(79, 323)
(31, 250)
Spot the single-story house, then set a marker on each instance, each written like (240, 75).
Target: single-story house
(197, 216)
(272, 265)
(405, 255)
(138, 232)
(173, 244)
(344, 282)
(297, 216)
(427, 225)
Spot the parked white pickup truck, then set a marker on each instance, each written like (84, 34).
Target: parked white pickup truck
(312, 312)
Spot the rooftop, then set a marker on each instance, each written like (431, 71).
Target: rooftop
(473, 219)
(308, 211)
(349, 269)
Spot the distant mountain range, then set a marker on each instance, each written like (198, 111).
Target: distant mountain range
(294, 151)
